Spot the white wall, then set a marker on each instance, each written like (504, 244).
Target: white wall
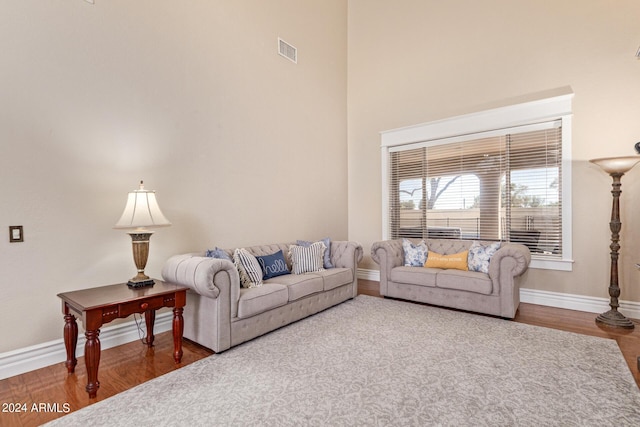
(242, 146)
(416, 61)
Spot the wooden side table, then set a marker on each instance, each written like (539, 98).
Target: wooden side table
(97, 306)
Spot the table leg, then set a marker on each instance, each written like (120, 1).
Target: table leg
(70, 341)
(178, 328)
(92, 360)
(150, 318)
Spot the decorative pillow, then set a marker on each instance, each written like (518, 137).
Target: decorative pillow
(453, 261)
(326, 261)
(248, 268)
(273, 265)
(307, 259)
(480, 256)
(218, 253)
(414, 255)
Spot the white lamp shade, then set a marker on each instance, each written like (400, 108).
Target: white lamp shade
(616, 164)
(142, 211)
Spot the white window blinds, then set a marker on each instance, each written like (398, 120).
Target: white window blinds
(498, 185)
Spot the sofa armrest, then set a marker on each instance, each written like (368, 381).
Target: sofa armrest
(388, 253)
(345, 254)
(511, 258)
(200, 274)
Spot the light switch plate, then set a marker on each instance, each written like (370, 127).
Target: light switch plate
(16, 234)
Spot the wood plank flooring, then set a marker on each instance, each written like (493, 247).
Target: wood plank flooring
(131, 364)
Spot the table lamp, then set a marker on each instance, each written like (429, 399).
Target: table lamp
(140, 213)
(616, 167)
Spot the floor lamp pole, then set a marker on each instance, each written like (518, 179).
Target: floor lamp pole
(613, 317)
(616, 168)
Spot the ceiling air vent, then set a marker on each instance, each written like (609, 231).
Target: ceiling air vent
(288, 51)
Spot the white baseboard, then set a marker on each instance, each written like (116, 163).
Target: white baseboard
(551, 299)
(630, 309)
(366, 274)
(27, 359)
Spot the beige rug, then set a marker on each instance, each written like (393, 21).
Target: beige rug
(378, 362)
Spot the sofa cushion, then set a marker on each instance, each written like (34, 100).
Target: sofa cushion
(415, 276)
(262, 298)
(455, 261)
(307, 259)
(470, 281)
(335, 277)
(300, 285)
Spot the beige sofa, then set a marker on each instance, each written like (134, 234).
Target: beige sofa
(496, 293)
(219, 314)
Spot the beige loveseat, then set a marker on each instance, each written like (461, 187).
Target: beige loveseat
(496, 293)
(219, 314)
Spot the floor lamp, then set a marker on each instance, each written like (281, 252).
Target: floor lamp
(615, 167)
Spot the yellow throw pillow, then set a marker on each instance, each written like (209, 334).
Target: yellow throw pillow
(453, 261)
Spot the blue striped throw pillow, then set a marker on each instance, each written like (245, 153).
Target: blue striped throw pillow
(327, 252)
(307, 259)
(248, 268)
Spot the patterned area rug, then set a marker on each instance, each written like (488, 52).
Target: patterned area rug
(372, 361)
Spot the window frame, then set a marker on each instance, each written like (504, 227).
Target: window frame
(523, 114)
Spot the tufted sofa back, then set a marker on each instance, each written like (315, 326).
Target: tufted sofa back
(447, 246)
(343, 253)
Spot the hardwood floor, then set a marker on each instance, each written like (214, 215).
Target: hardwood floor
(131, 364)
(121, 368)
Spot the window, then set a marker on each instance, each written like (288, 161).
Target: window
(509, 184)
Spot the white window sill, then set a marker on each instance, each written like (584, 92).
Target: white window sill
(551, 264)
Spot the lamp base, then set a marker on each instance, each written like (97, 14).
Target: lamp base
(614, 318)
(140, 241)
(140, 284)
